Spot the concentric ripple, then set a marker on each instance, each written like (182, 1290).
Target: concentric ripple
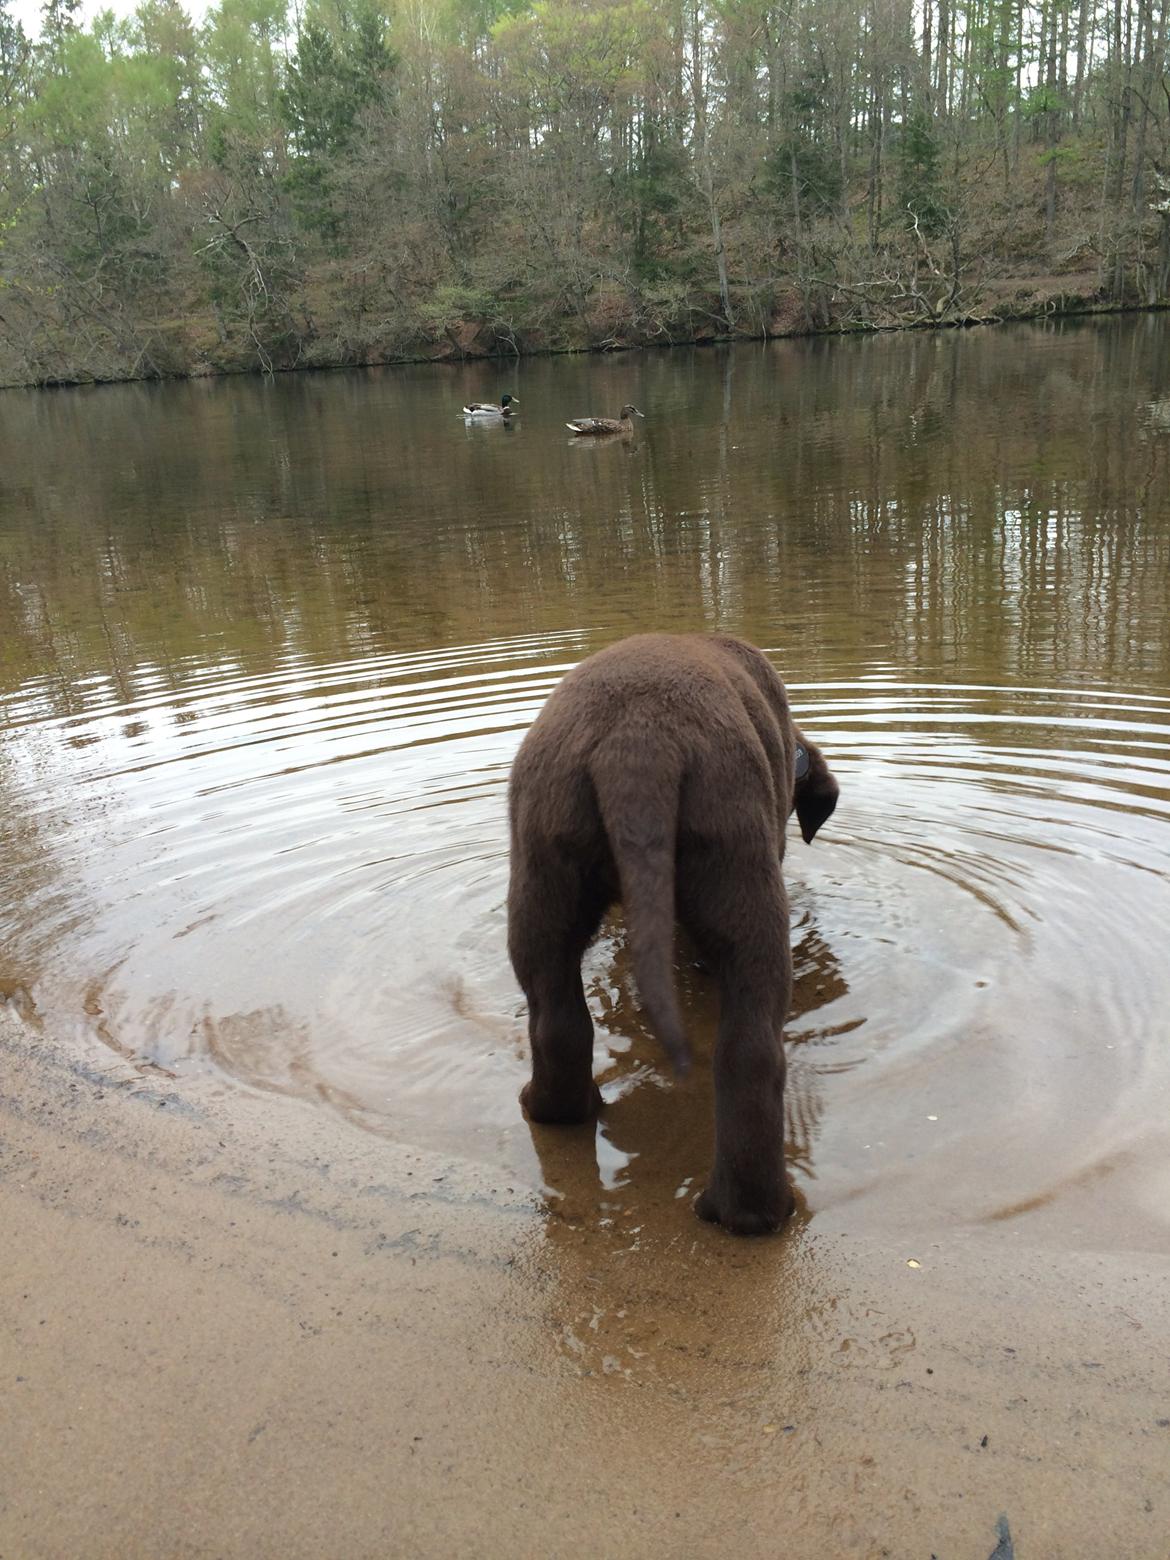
(996, 901)
(297, 881)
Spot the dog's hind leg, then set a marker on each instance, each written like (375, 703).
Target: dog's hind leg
(554, 910)
(739, 918)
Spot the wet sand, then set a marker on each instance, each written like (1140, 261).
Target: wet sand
(231, 1325)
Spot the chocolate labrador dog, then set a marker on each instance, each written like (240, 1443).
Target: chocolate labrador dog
(661, 773)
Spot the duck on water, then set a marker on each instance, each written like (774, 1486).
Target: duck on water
(596, 426)
(487, 411)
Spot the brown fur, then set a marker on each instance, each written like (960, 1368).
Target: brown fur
(661, 772)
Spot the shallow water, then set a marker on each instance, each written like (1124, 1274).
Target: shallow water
(268, 649)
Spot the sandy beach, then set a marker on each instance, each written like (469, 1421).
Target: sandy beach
(232, 1326)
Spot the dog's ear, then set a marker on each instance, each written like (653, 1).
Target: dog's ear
(816, 790)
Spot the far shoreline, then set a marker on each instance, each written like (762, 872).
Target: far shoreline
(1058, 305)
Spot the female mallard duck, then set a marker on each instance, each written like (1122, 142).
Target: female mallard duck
(487, 411)
(622, 423)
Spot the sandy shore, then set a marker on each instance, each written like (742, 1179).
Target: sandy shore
(231, 1325)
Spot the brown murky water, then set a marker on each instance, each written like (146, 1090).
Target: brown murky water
(268, 649)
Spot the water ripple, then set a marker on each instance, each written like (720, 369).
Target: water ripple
(296, 879)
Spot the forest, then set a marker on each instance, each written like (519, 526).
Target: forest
(360, 181)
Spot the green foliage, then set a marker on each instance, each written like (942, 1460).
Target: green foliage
(649, 192)
(1077, 168)
(806, 172)
(1041, 101)
(582, 60)
(336, 72)
(919, 177)
(241, 51)
(803, 170)
(342, 66)
(449, 306)
(995, 41)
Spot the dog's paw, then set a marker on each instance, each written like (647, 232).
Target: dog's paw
(744, 1219)
(558, 1110)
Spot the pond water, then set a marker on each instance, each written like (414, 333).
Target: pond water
(267, 650)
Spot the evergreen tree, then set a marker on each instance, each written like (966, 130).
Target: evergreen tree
(919, 178)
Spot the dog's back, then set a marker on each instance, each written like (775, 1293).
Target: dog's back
(704, 716)
(653, 755)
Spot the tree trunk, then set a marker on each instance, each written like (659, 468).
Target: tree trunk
(1123, 108)
(1052, 129)
(1078, 92)
(1151, 70)
(927, 19)
(707, 175)
(1163, 269)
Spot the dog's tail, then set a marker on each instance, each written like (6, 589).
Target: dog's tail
(639, 808)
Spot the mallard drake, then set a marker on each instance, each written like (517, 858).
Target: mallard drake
(622, 423)
(486, 409)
